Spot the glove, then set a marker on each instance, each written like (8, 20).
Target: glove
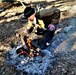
(51, 27)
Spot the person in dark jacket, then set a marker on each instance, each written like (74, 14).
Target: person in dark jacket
(46, 27)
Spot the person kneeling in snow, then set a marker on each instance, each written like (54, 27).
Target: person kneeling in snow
(46, 26)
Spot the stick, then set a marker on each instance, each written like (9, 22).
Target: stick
(22, 3)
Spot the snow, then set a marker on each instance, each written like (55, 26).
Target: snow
(39, 65)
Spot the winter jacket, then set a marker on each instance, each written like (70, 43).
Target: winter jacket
(49, 15)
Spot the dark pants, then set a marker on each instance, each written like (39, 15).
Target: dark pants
(41, 42)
